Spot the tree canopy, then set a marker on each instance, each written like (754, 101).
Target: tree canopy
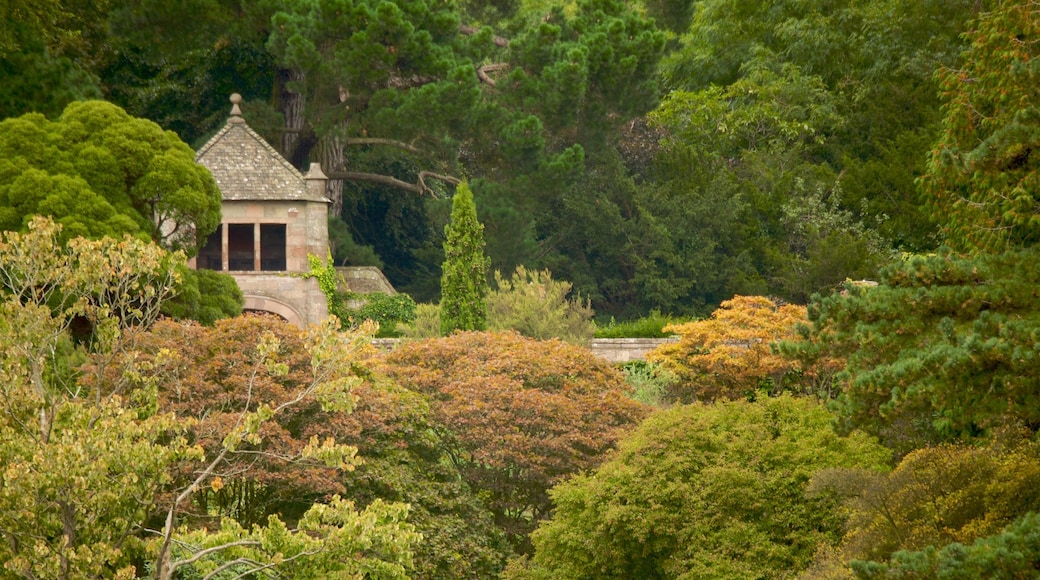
(703, 491)
(98, 171)
(516, 415)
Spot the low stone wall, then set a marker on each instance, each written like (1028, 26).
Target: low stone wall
(615, 350)
(622, 350)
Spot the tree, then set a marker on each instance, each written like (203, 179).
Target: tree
(98, 171)
(982, 176)
(944, 347)
(536, 306)
(464, 285)
(731, 355)
(82, 466)
(702, 491)
(213, 378)
(935, 496)
(89, 457)
(1010, 554)
(516, 415)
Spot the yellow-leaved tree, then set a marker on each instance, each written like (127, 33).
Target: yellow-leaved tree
(731, 354)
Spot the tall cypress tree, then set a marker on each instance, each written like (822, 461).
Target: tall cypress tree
(464, 285)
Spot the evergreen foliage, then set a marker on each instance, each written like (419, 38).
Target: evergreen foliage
(1013, 553)
(945, 346)
(464, 285)
(98, 171)
(983, 176)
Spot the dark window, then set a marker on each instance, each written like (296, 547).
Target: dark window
(211, 255)
(272, 247)
(240, 247)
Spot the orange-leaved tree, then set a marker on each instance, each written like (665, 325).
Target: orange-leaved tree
(210, 375)
(517, 415)
(732, 353)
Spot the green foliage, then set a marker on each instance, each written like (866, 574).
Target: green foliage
(945, 346)
(1012, 553)
(83, 463)
(981, 182)
(385, 309)
(205, 296)
(700, 491)
(464, 285)
(329, 282)
(347, 251)
(36, 80)
(378, 539)
(536, 306)
(649, 326)
(936, 496)
(98, 171)
(651, 383)
(427, 323)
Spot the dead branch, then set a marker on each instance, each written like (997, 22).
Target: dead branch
(482, 72)
(471, 30)
(420, 187)
(378, 141)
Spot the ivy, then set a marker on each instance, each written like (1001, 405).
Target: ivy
(328, 282)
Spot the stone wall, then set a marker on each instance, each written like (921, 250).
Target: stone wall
(298, 300)
(614, 350)
(622, 350)
(365, 279)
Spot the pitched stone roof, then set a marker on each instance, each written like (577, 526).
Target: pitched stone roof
(247, 168)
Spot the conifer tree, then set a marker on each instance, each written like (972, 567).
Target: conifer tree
(464, 285)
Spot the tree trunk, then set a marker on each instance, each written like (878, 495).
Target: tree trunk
(329, 153)
(291, 106)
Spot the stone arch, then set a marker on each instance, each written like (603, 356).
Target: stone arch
(274, 306)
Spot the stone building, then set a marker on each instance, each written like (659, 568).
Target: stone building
(272, 218)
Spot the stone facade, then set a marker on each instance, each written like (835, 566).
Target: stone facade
(272, 219)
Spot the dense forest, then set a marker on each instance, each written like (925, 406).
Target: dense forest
(833, 206)
(657, 155)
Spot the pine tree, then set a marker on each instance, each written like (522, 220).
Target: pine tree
(983, 178)
(464, 285)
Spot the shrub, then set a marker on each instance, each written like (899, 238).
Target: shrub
(650, 326)
(386, 309)
(425, 324)
(536, 306)
(703, 491)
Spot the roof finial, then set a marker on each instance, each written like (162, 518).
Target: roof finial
(235, 111)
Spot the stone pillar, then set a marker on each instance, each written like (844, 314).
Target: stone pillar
(316, 181)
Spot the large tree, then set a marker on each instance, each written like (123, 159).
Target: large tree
(516, 415)
(983, 176)
(700, 491)
(98, 171)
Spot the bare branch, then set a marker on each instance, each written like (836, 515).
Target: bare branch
(424, 174)
(482, 72)
(203, 553)
(471, 30)
(378, 141)
(419, 188)
(376, 178)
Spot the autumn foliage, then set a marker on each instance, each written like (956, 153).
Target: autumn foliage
(731, 353)
(518, 415)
